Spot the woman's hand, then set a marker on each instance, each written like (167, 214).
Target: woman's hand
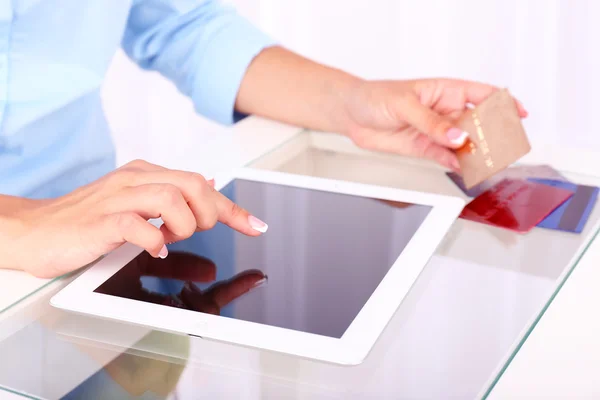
(58, 236)
(413, 118)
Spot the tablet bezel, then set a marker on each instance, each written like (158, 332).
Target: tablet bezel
(354, 345)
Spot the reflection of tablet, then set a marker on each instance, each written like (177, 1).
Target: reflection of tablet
(322, 283)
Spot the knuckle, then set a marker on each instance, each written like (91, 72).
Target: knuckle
(197, 182)
(189, 232)
(189, 228)
(361, 141)
(153, 240)
(208, 220)
(168, 194)
(155, 237)
(236, 211)
(124, 221)
(137, 164)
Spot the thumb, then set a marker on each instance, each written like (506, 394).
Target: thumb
(439, 128)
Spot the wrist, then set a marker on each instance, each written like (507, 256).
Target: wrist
(11, 229)
(344, 91)
(15, 227)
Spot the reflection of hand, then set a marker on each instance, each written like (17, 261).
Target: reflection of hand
(395, 204)
(186, 267)
(139, 374)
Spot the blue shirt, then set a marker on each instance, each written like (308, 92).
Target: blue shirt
(53, 58)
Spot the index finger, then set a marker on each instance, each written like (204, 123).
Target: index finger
(234, 216)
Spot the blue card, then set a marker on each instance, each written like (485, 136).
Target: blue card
(572, 215)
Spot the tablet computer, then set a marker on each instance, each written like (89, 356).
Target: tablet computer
(321, 283)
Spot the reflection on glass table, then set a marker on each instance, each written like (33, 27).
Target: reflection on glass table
(174, 282)
(480, 294)
(457, 329)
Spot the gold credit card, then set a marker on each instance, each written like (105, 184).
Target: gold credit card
(496, 138)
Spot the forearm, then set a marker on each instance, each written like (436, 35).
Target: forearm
(287, 87)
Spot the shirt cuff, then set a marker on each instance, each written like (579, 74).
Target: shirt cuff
(224, 62)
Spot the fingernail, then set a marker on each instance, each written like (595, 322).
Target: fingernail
(260, 282)
(163, 253)
(191, 287)
(257, 224)
(456, 136)
(211, 182)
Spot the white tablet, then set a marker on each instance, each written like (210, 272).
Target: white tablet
(322, 283)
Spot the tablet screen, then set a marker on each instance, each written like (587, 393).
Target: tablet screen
(321, 259)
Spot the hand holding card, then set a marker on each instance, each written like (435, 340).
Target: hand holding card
(496, 138)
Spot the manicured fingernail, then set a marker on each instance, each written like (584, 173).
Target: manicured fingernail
(257, 224)
(456, 136)
(522, 107)
(163, 253)
(260, 282)
(211, 182)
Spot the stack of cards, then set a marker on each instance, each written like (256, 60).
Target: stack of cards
(521, 198)
(515, 204)
(572, 215)
(521, 172)
(517, 198)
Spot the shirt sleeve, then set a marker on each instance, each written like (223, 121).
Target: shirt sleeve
(203, 46)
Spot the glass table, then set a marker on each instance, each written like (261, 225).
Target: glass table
(453, 336)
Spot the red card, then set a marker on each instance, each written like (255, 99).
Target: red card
(515, 204)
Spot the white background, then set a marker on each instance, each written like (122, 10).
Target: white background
(545, 51)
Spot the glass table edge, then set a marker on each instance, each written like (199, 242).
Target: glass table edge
(486, 391)
(540, 315)
(19, 394)
(30, 294)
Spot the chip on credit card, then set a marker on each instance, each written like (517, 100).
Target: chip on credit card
(496, 140)
(515, 204)
(572, 215)
(517, 172)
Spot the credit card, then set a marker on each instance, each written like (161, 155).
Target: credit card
(572, 215)
(515, 204)
(496, 138)
(518, 172)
